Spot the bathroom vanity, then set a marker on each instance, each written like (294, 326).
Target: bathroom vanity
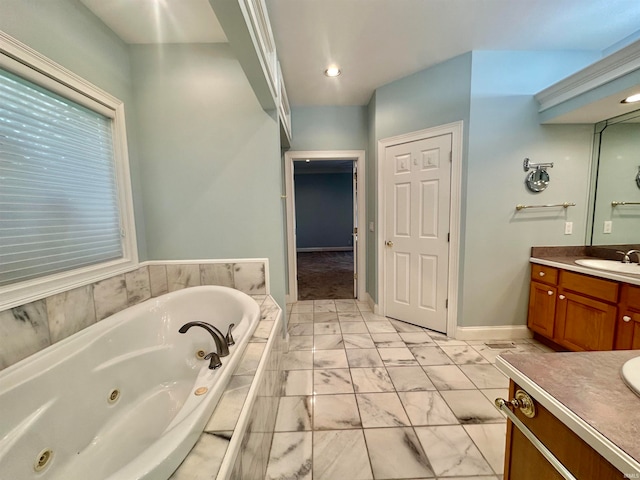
(581, 308)
(583, 414)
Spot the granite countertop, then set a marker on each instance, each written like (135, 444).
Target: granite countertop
(565, 258)
(586, 392)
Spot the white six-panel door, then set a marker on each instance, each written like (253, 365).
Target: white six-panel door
(417, 193)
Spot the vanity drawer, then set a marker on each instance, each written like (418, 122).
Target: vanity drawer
(604, 290)
(631, 296)
(541, 273)
(524, 462)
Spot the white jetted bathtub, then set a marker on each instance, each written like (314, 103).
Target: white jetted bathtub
(122, 399)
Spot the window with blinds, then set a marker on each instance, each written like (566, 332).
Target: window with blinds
(58, 195)
(66, 210)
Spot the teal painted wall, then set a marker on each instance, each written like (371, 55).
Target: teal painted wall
(324, 210)
(69, 34)
(210, 158)
(504, 129)
(429, 98)
(329, 128)
(432, 97)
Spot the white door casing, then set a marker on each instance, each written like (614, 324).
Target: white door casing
(358, 156)
(354, 234)
(416, 297)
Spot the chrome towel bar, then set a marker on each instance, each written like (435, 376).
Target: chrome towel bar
(546, 453)
(615, 204)
(564, 205)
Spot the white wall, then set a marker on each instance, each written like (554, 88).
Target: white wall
(210, 158)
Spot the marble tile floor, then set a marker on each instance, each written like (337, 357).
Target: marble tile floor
(367, 397)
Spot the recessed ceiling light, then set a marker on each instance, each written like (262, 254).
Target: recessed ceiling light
(632, 98)
(332, 72)
(307, 160)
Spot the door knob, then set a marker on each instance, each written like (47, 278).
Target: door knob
(626, 318)
(550, 292)
(562, 297)
(389, 243)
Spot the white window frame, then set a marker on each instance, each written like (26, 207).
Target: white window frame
(25, 62)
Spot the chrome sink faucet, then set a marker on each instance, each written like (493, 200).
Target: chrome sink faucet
(626, 257)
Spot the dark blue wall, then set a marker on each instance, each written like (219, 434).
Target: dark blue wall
(324, 210)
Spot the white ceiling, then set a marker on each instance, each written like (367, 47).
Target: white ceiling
(378, 41)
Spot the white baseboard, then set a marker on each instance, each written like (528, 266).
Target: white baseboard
(367, 298)
(503, 332)
(325, 249)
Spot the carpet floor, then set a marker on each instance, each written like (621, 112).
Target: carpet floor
(325, 275)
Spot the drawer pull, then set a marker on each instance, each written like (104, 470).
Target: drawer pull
(546, 453)
(541, 274)
(550, 292)
(626, 318)
(521, 400)
(561, 297)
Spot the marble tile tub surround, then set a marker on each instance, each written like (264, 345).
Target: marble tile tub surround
(236, 441)
(29, 328)
(389, 401)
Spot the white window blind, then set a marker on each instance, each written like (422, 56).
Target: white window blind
(59, 206)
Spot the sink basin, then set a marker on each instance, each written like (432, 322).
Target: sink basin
(611, 265)
(631, 374)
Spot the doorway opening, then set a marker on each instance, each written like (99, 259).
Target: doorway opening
(325, 205)
(325, 195)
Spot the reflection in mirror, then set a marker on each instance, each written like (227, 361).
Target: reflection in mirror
(617, 146)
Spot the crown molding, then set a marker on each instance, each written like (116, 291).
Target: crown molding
(614, 66)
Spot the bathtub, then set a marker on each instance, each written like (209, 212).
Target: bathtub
(122, 399)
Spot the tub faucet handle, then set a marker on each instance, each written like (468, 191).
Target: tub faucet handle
(229, 337)
(214, 360)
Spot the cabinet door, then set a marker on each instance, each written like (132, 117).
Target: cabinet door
(542, 307)
(628, 330)
(583, 323)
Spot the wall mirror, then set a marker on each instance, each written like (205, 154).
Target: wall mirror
(537, 179)
(615, 189)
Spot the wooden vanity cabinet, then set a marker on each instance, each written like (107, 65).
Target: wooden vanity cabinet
(586, 312)
(628, 319)
(576, 311)
(542, 299)
(524, 462)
